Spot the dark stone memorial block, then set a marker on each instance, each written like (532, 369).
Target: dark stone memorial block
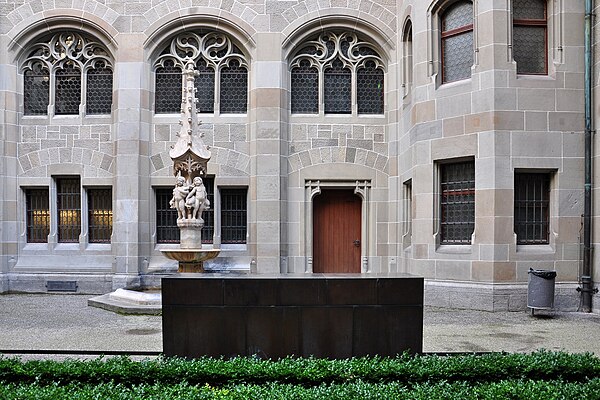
(273, 316)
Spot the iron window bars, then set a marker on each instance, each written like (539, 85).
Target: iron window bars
(68, 196)
(532, 200)
(37, 215)
(457, 203)
(215, 55)
(100, 215)
(233, 215)
(63, 69)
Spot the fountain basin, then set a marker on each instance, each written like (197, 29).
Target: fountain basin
(191, 260)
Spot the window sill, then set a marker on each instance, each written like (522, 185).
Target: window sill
(454, 249)
(535, 249)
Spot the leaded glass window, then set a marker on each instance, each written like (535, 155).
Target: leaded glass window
(234, 88)
(100, 215)
(233, 215)
(37, 215)
(68, 90)
(457, 202)
(217, 59)
(68, 195)
(205, 87)
(36, 91)
(99, 89)
(168, 88)
(338, 89)
(530, 36)
(369, 82)
(64, 69)
(305, 88)
(532, 200)
(457, 41)
(347, 66)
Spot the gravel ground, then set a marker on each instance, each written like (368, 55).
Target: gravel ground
(66, 322)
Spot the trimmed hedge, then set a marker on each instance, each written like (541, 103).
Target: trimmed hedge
(493, 367)
(540, 375)
(515, 389)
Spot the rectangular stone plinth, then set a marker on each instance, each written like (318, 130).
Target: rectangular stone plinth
(273, 316)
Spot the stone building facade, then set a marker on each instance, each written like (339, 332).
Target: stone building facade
(453, 130)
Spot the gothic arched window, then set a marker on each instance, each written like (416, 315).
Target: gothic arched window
(337, 73)
(217, 59)
(67, 74)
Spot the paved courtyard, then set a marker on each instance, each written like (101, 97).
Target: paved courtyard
(66, 322)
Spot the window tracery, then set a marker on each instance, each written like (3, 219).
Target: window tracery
(350, 69)
(64, 69)
(217, 59)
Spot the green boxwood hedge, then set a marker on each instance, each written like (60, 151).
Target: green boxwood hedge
(544, 375)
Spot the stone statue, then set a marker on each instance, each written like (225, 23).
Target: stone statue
(180, 193)
(197, 200)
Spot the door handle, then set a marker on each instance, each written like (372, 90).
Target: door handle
(357, 243)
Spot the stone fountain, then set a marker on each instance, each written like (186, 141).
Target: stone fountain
(190, 157)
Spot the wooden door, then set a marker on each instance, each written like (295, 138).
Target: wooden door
(336, 231)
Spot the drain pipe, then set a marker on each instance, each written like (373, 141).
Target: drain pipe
(587, 284)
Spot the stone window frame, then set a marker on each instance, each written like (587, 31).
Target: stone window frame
(437, 211)
(52, 242)
(216, 56)
(80, 49)
(321, 62)
(434, 52)
(553, 192)
(362, 188)
(407, 211)
(554, 37)
(407, 58)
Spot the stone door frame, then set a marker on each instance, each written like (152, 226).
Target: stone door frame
(312, 188)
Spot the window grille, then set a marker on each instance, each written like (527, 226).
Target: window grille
(100, 215)
(305, 89)
(233, 215)
(339, 61)
(234, 88)
(457, 41)
(68, 195)
(530, 37)
(457, 202)
(38, 215)
(166, 217)
(68, 90)
(209, 215)
(369, 82)
(61, 61)
(532, 199)
(36, 91)
(99, 89)
(213, 53)
(338, 89)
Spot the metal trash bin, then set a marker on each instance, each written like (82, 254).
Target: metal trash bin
(540, 289)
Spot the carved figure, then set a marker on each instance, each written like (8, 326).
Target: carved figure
(197, 200)
(180, 193)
